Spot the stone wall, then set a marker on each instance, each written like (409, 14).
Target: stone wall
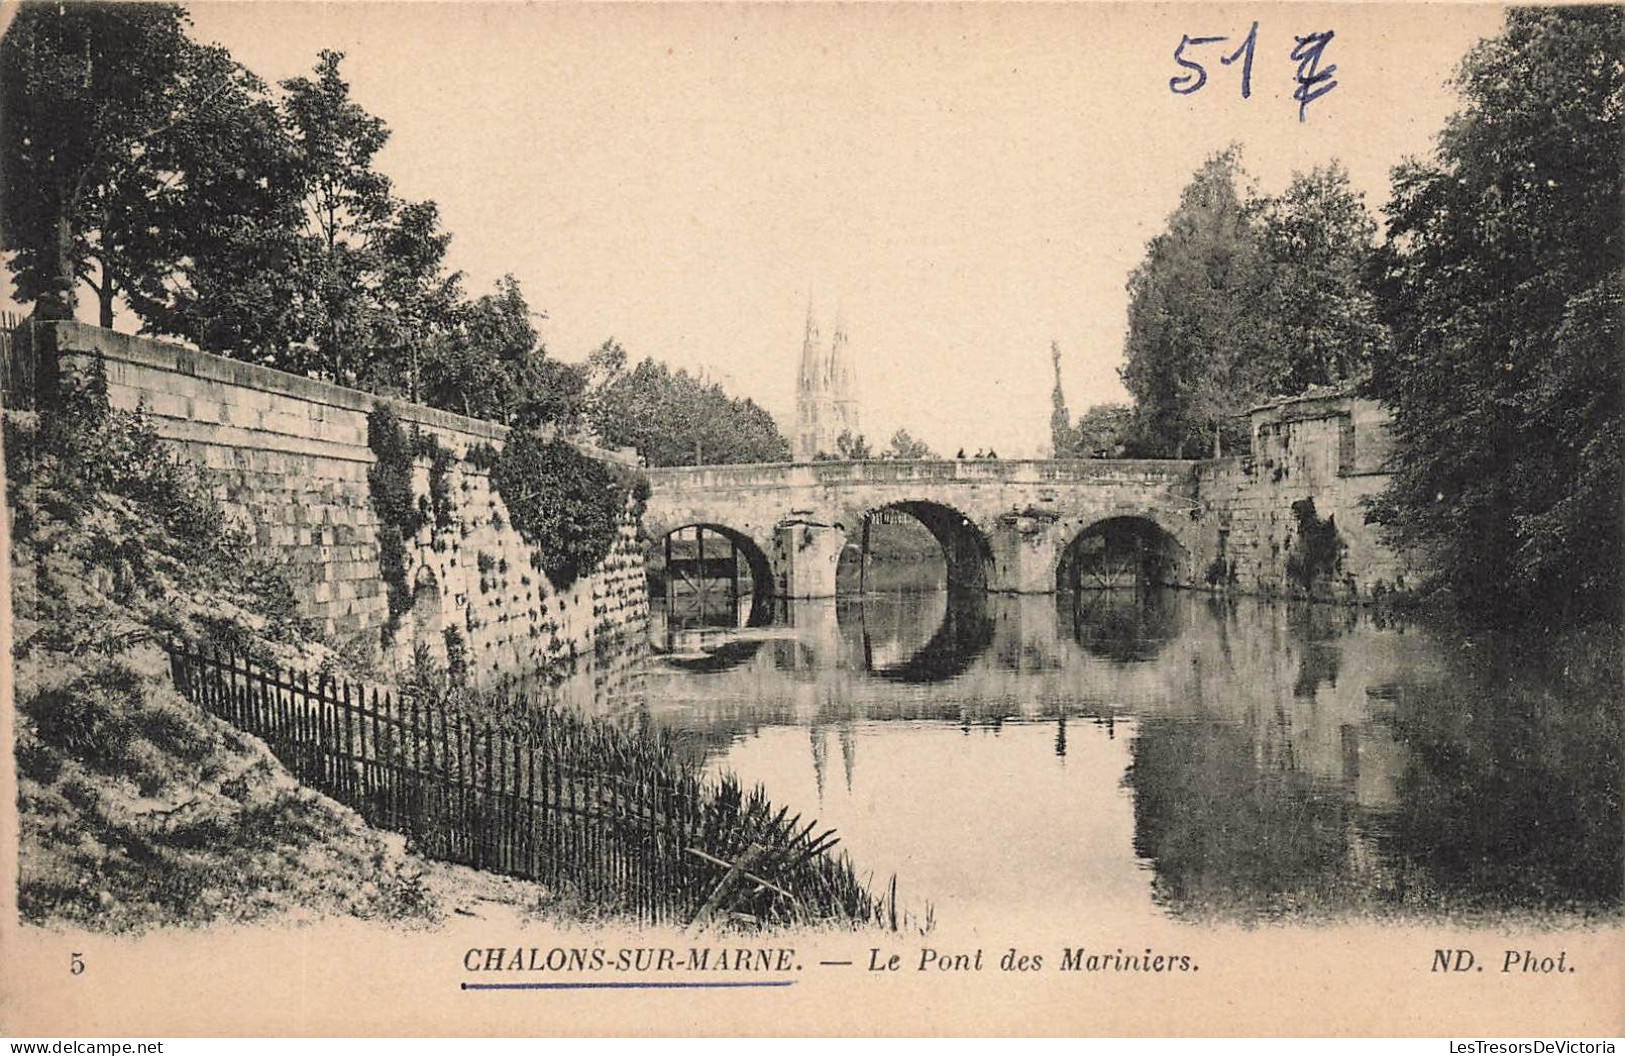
(1331, 451)
(288, 457)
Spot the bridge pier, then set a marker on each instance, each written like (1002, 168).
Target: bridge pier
(1024, 555)
(805, 557)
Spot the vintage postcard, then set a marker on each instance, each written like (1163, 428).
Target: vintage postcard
(835, 519)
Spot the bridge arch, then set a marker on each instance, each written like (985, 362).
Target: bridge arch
(967, 552)
(676, 568)
(1122, 548)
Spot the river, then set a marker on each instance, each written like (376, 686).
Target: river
(1165, 754)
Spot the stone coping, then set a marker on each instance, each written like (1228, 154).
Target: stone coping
(883, 471)
(74, 338)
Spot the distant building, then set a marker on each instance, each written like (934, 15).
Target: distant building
(826, 393)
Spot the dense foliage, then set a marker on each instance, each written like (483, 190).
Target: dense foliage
(79, 466)
(101, 105)
(673, 418)
(904, 446)
(565, 504)
(1190, 344)
(490, 363)
(254, 223)
(1245, 297)
(1103, 431)
(1501, 279)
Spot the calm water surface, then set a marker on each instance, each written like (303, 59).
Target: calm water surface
(1165, 753)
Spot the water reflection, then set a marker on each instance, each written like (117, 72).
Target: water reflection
(964, 632)
(1169, 753)
(1126, 626)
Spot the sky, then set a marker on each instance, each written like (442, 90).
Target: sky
(962, 184)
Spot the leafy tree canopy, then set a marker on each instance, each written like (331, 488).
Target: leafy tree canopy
(1103, 431)
(1245, 297)
(490, 363)
(120, 135)
(904, 446)
(673, 418)
(1501, 279)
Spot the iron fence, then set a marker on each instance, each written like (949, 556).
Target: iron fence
(573, 805)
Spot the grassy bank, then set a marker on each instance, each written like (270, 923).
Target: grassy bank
(136, 809)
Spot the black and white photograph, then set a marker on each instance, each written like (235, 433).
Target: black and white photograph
(1092, 519)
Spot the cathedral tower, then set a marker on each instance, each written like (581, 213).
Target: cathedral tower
(826, 393)
(843, 383)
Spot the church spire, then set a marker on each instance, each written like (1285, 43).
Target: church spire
(840, 369)
(813, 363)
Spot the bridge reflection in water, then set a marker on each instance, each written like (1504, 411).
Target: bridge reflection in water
(1164, 753)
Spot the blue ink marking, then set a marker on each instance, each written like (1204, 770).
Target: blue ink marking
(1313, 82)
(729, 985)
(1200, 77)
(1247, 66)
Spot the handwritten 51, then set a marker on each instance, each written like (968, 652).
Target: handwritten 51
(1312, 81)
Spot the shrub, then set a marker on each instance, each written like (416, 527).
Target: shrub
(79, 447)
(565, 504)
(88, 719)
(1317, 552)
(456, 656)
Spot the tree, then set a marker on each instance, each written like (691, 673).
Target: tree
(347, 206)
(852, 447)
(674, 418)
(1317, 318)
(417, 301)
(1246, 297)
(1501, 279)
(102, 105)
(904, 446)
(225, 226)
(849, 447)
(486, 366)
(1191, 348)
(1102, 431)
(1063, 441)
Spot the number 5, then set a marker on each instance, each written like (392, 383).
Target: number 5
(1186, 83)
(76, 964)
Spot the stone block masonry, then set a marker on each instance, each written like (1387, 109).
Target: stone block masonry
(1333, 451)
(288, 458)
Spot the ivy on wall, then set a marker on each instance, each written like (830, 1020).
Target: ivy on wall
(440, 459)
(1317, 552)
(400, 515)
(565, 504)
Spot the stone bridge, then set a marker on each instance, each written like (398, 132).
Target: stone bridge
(1004, 525)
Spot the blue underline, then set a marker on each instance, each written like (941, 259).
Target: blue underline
(731, 985)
